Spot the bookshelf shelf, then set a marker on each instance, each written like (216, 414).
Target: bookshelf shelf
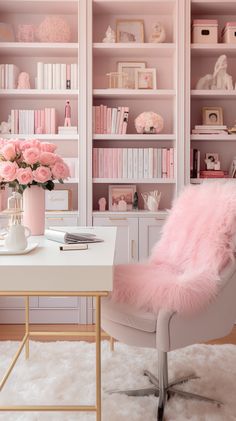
(43, 137)
(38, 49)
(214, 94)
(38, 93)
(131, 50)
(133, 180)
(138, 137)
(209, 50)
(214, 138)
(134, 93)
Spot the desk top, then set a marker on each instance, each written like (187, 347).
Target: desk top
(48, 269)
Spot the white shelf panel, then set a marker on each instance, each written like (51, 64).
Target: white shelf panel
(62, 213)
(141, 137)
(38, 49)
(134, 93)
(214, 7)
(39, 6)
(162, 214)
(211, 180)
(213, 138)
(134, 7)
(207, 50)
(51, 137)
(132, 181)
(38, 93)
(214, 94)
(133, 50)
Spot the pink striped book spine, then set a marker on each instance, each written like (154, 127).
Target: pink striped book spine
(168, 163)
(105, 119)
(120, 162)
(53, 121)
(102, 119)
(106, 163)
(100, 162)
(121, 120)
(36, 120)
(118, 120)
(42, 118)
(172, 163)
(115, 163)
(97, 119)
(94, 131)
(155, 163)
(164, 161)
(109, 121)
(95, 162)
(16, 121)
(110, 163)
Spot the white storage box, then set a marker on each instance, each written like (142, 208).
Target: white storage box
(205, 31)
(229, 33)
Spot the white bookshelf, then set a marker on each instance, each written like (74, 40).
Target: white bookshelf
(134, 93)
(41, 49)
(38, 93)
(136, 137)
(133, 181)
(129, 50)
(43, 137)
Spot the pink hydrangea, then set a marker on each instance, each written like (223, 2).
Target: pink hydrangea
(47, 158)
(24, 175)
(42, 174)
(48, 147)
(9, 152)
(60, 170)
(8, 170)
(31, 155)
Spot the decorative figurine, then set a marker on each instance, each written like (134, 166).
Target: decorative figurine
(5, 126)
(135, 201)
(149, 123)
(152, 200)
(110, 35)
(23, 81)
(102, 204)
(122, 205)
(67, 122)
(158, 33)
(220, 78)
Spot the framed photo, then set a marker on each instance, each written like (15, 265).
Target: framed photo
(58, 200)
(145, 79)
(128, 69)
(212, 116)
(129, 30)
(121, 197)
(212, 161)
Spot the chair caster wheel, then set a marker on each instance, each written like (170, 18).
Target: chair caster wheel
(160, 413)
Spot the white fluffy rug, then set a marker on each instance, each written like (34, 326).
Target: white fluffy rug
(63, 373)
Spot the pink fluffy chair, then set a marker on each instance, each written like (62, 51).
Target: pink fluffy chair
(185, 293)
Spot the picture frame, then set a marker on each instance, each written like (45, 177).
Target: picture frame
(119, 195)
(212, 161)
(212, 116)
(145, 79)
(128, 67)
(130, 30)
(58, 200)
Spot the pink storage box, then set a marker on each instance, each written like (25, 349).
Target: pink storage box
(205, 31)
(229, 33)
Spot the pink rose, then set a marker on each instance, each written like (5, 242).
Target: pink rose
(31, 155)
(48, 147)
(24, 175)
(16, 143)
(60, 170)
(42, 174)
(2, 142)
(8, 170)
(30, 143)
(9, 152)
(47, 158)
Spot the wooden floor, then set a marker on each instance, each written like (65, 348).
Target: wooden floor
(15, 333)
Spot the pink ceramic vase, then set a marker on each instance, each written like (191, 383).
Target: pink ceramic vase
(34, 209)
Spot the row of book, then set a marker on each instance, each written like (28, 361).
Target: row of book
(110, 120)
(8, 76)
(33, 121)
(57, 76)
(133, 163)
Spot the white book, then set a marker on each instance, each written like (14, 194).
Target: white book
(12, 122)
(20, 122)
(130, 163)
(113, 120)
(100, 163)
(45, 76)
(58, 76)
(125, 163)
(120, 162)
(2, 76)
(155, 163)
(63, 76)
(31, 121)
(73, 76)
(40, 80)
(209, 126)
(145, 162)
(53, 76)
(118, 120)
(159, 163)
(49, 75)
(135, 163)
(150, 164)
(140, 163)
(10, 76)
(172, 163)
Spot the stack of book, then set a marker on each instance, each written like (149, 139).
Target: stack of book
(8, 76)
(210, 129)
(67, 130)
(110, 120)
(33, 121)
(213, 174)
(57, 76)
(133, 163)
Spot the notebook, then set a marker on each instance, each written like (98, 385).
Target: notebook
(71, 237)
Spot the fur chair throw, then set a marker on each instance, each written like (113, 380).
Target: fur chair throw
(197, 242)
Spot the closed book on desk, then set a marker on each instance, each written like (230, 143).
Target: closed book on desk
(71, 237)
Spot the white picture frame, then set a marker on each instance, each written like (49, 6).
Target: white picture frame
(130, 30)
(123, 192)
(212, 116)
(145, 79)
(58, 200)
(128, 67)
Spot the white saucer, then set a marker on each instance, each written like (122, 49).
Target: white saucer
(29, 248)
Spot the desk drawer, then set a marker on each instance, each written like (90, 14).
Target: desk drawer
(60, 220)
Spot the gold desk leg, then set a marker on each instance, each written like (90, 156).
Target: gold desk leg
(98, 358)
(27, 327)
(112, 343)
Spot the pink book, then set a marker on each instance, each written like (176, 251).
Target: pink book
(100, 162)
(155, 163)
(108, 120)
(172, 166)
(97, 119)
(118, 120)
(164, 161)
(53, 121)
(47, 120)
(121, 120)
(120, 162)
(105, 119)
(102, 119)
(94, 131)
(106, 163)
(68, 76)
(36, 122)
(125, 120)
(42, 120)
(16, 121)
(110, 163)
(115, 163)
(168, 163)
(95, 162)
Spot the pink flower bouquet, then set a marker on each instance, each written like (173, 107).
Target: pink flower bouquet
(30, 162)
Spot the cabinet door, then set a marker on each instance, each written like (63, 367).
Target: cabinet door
(127, 236)
(58, 220)
(149, 234)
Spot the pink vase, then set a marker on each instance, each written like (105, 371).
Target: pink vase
(34, 209)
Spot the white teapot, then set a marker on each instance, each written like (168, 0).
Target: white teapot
(16, 238)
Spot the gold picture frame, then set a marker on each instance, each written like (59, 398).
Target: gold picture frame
(130, 30)
(212, 116)
(128, 68)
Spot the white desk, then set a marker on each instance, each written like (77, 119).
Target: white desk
(47, 271)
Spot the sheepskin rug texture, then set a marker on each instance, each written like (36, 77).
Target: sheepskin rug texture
(63, 373)
(182, 273)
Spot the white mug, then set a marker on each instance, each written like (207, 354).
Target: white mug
(16, 239)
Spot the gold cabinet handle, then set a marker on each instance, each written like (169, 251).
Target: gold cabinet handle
(55, 219)
(117, 219)
(133, 249)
